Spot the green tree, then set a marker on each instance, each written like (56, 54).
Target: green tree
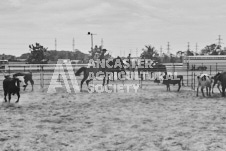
(150, 52)
(38, 55)
(180, 54)
(210, 49)
(189, 53)
(25, 56)
(166, 58)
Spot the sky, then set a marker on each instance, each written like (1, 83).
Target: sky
(124, 25)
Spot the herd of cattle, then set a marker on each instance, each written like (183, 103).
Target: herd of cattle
(204, 81)
(11, 85)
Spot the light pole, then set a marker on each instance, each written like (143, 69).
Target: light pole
(91, 34)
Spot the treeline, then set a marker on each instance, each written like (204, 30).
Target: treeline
(39, 54)
(149, 52)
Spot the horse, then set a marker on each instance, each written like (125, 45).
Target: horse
(204, 80)
(222, 79)
(11, 86)
(95, 72)
(118, 68)
(27, 77)
(216, 81)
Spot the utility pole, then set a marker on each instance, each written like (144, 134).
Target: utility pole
(55, 44)
(91, 34)
(73, 45)
(168, 48)
(188, 46)
(102, 43)
(136, 52)
(196, 48)
(160, 51)
(219, 41)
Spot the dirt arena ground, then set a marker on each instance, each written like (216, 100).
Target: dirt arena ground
(149, 120)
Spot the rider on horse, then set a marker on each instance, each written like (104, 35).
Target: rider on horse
(103, 51)
(129, 59)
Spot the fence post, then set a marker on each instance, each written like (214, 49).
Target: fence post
(24, 68)
(40, 74)
(9, 70)
(173, 68)
(202, 67)
(210, 69)
(43, 76)
(194, 81)
(141, 79)
(216, 68)
(187, 73)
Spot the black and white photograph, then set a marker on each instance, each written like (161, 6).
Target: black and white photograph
(112, 75)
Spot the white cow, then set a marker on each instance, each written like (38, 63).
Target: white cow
(204, 80)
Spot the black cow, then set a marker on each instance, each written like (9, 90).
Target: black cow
(11, 86)
(171, 79)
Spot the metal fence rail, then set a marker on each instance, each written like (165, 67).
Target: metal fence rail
(43, 73)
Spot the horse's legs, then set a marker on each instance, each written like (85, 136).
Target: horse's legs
(213, 87)
(218, 86)
(223, 90)
(18, 96)
(108, 80)
(179, 86)
(84, 78)
(32, 84)
(25, 87)
(104, 80)
(133, 73)
(113, 76)
(87, 82)
(130, 72)
(167, 87)
(207, 94)
(25, 81)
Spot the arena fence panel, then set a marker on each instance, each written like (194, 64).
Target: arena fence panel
(43, 73)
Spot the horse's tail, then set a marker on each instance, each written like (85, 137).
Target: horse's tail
(82, 69)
